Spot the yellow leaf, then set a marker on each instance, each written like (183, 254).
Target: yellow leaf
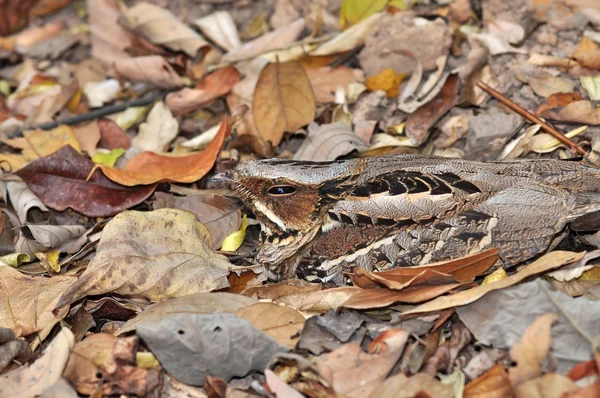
(353, 11)
(108, 158)
(49, 260)
(235, 240)
(283, 100)
(387, 80)
(15, 259)
(146, 360)
(495, 276)
(75, 101)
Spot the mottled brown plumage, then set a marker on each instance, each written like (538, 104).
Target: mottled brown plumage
(322, 219)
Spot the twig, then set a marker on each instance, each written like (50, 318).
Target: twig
(95, 114)
(307, 41)
(533, 119)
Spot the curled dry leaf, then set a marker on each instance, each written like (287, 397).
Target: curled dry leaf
(547, 262)
(220, 215)
(59, 180)
(158, 131)
(354, 373)
(211, 87)
(109, 38)
(198, 303)
(156, 255)
(268, 42)
(27, 301)
(150, 168)
(531, 350)
(283, 100)
(40, 238)
(22, 198)
(162, 27)
(190, 346)
(31, 381)
(328, 142)
(281, 323)
(152, 69)
(220, 28)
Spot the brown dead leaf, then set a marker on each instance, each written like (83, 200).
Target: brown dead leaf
(420, 121)
(112, 136)
(326, 80)
(531, 350)
(492, 384)
(550, 261)
(109, 38)
(354, 373)
(550, 385)
(103, 362)
(88, 135)
(211, 87)
(588, 59)
(584, 112)
(290, 292)
(419, 385)
(160, 26)
(148, 167)
(461, 270)
(26, 302)
(283, 100)
(155, 255)
(31, 381)
(152, 69)
(558, 100)
(283, 324)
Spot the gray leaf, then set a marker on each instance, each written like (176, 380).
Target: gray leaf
(189, 346)
(500, 318)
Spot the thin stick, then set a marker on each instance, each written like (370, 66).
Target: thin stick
(532, 118)
(95, 114)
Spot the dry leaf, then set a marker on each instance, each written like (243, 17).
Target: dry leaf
(160, 26)
(220, 28)
(21, 198)
(41, 238)
(211, 87)
(591, 84)
(545, 87)
(283, 100)
(88, 135)
(558, 101)
(550, 385)
(290, 292)
(421, 384)
(26, 302)
(326, 80)
(354, 11)
(531, 350)
(156, 255)
(493, 383)
(547, 262)
(152, 69)
(147, 167)
(349, 39)
(99, 93)
(283, 324)
(233, 241)
(328, 142)
(109, 38)
(549, 60)
(387, 80)
(158, 131)
(584, 112)
(31, 381)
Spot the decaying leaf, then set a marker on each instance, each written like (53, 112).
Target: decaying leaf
(158, 131)
(59, 180)
(220, 28)
(162, 27)
(281, 323)
(156, 255)
(547, 262)
(328, 142)
(40, 238)
(190, 346)
(149, 168)
(26, 302)
(283, 100)
(22, 198)
(31, 381)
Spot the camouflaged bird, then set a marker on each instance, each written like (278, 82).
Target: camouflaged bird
(320, 220)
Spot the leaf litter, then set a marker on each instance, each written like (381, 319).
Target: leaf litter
(102, 104)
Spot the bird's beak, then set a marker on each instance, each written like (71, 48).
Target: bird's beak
(222, 178)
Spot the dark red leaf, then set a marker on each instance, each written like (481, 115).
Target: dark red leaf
(59, 180)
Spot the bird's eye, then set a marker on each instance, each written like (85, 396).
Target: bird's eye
(282, 190)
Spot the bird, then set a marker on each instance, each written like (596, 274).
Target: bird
(320, 220)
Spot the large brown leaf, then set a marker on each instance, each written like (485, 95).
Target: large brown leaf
(283, 100)
(281, 323)
(149, 167)
(156, 255)
(59, 180)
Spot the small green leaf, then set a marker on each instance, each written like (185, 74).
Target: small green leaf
(234, 240)
(14, 259)
(108, 158)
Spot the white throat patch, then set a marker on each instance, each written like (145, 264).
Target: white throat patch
(270, 215)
